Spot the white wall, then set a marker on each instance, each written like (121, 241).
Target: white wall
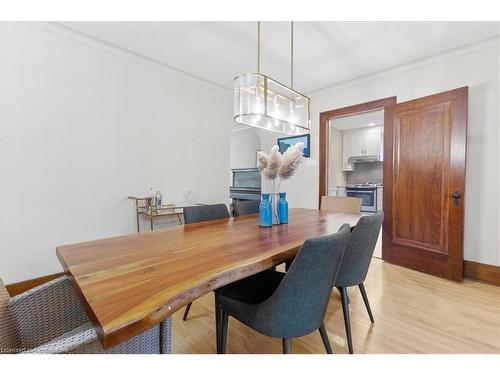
(82, 126)
(336, 177)
(244, 145)
(474, 66)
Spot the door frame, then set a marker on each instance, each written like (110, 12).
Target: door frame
(387, 104)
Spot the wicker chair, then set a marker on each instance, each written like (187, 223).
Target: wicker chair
(49, 319)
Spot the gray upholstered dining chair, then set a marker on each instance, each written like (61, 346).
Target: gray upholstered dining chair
(49, 319)
(197, 214)
(355, 264)
(245, 207)
(206, 212)
(285, 305)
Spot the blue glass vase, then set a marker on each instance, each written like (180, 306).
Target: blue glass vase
(265, 212)
(283, 209)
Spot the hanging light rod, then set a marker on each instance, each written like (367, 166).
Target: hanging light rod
(263, 102)
(291, 54)
(258, 47)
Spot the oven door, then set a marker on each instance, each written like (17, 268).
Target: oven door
(369, 197)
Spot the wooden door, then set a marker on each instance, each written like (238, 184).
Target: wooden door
(424, 184)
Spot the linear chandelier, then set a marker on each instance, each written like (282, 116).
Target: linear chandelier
(265, 103)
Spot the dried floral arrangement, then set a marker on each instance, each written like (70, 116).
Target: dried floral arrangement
(277, 166)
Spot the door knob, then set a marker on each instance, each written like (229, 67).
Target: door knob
(456, 197)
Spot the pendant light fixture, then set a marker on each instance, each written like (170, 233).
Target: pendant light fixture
(263, 102)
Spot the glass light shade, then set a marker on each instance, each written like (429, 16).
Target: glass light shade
(262, 102)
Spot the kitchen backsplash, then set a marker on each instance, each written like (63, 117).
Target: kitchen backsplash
(366, 172)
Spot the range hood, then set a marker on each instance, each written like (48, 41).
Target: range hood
(365, 159)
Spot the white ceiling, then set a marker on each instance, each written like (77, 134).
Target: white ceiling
(326, 53)
(361, 120)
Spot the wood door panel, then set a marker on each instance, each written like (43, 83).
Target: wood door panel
(422, 160)
(424, 165)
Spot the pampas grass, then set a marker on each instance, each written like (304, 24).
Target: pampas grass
(283, 166)
(271, 172)
(290, 161)
(262, 159)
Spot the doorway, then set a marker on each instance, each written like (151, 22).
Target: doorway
(355, 161)
(361, 128)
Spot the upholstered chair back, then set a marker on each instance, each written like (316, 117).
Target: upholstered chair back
(207, 212)
(359, 251)
(298, 305)
(245, 207)
(346, 205)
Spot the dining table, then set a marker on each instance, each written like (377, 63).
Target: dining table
(130, 283)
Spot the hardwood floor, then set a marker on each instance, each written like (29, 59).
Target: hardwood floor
(414, 313)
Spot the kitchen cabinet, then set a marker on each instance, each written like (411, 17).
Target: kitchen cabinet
(372, 141)
(360, 143)
(346, 149)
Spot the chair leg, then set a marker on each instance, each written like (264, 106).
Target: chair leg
(347, 321)
(365, 299)
(218, 324)
(287, 346)
(340, 290)
(223, 338)
(324, 337)
(186, 312)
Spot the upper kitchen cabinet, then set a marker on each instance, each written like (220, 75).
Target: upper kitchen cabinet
(361, 144)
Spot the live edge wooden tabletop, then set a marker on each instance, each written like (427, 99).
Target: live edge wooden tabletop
(130, 283)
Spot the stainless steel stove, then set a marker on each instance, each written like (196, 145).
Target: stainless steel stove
(367, 192)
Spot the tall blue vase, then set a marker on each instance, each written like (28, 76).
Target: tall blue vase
(283, 209)
(265, 212)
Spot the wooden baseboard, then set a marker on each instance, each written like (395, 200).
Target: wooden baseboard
(483, 272)
(22, 286)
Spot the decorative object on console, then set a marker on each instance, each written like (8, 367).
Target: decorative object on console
(158, 200)
(262, 102)
(155, 201)
(275, 166)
